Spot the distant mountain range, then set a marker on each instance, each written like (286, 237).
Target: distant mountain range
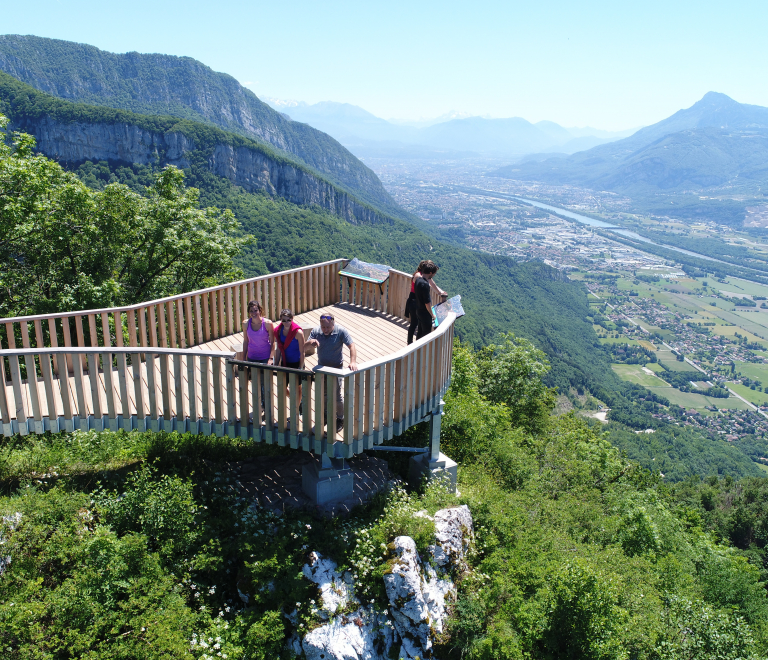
(717, 145)
(182, 87)
(359, 131)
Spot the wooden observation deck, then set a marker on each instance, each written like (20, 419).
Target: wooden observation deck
(170, 365)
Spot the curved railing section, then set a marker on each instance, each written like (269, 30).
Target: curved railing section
(135, 368)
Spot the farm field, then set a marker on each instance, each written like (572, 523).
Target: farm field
(670, 361)
(758, 398)
(753, 371)
(634, 374)
(691, 400)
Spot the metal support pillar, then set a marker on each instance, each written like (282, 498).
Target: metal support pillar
(436, 464)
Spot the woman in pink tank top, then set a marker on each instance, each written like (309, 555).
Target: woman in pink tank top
(258, 335)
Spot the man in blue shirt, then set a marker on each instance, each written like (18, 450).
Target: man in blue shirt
(330, 340)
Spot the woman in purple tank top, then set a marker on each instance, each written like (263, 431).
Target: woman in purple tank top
(258, 336)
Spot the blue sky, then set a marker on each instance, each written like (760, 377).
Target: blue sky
(611, 65)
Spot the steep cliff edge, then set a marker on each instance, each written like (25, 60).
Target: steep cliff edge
(73, 133)
(155, 84)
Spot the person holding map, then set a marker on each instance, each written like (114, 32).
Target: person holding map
(423, 294)
(412, 305)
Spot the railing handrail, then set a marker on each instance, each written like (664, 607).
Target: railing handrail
(114, 350)
(179, 296)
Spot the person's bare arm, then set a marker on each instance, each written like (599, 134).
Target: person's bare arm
(271, 334)
(245, 340)
(352, 357)
(300, 339)
(437, 288)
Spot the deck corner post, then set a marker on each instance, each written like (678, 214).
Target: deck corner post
(434, 431)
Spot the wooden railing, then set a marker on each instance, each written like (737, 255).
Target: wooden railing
(178, 321)
(210, 393)
(144, 375)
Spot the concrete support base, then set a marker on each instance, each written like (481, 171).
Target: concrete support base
(442, 468)
(327, 480)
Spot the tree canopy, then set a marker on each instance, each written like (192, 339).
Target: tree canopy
(64, 246)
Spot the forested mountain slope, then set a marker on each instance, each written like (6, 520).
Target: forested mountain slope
(716, 145)
(156, 84)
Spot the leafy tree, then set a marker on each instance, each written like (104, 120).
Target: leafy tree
(512, 374)
(64, 246)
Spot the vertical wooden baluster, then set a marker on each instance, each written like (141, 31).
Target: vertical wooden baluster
(165, 391)
(162, 326)
(322, 288)
(39, 338)
(178, 382)
(315, 303)
(50, 398)
(25, 343)
(105, 331)
(306, 408)
(382, 397)
(242, 375)
(79, 334)
(156, 321)
(19, 399)
(350, 410)
(293, 410)
(109, 390)
(362, 405)
(272, 303)
(269, 406)
(319, 412)
(82, 403)
(93, 377)
(5, 405)
(190, 320)
(230, 312)
(198, 320)
(256, 402)
(206, 316)
(138, 391)
(238, 317)
(92, 332)
(374, 392)
(409, 387)
(330, 411)
(122, 383)
(398, 368)
(194, 409)
(54, 340)
(281, 408)
(205, 392)
(180, 321)
(131, 320)
(66, 397)
(218, 395)
(171, 323)
(221, 313)
(154, 407)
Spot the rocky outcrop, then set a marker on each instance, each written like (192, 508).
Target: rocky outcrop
(249, 168)
(419, 592)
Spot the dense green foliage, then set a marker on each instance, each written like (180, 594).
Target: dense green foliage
(66, 247)
(138, 545)
(181, 87)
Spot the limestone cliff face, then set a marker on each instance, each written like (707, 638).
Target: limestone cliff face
(155, 84)
(253, 171)
(75, 142)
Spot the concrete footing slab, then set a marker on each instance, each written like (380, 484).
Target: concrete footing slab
(327, 480)
(443, 468)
